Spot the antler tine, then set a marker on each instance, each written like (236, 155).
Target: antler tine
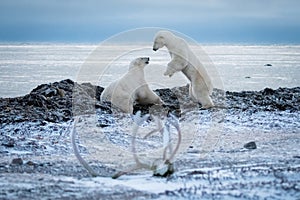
(138, 121)
(121, 173)
(175, 122)
(172, 121)
(166, 140)
(76, 151)
(158, 129)
(133, 149)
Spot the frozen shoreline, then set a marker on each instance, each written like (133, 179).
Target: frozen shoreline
(270, 118)
(241, 67)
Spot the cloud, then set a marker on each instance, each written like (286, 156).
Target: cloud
(93, 18)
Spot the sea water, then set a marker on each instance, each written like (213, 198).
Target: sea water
(233, 67)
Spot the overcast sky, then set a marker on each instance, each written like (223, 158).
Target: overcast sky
(207, 21)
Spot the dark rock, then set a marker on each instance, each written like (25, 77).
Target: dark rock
(50, 92)
(266, 100)
(197, 172)
(298, 157)
(268, 65)
(250, 145)
(59, 101)
(268, 91)
(171, 105)
(31, 163)
(47, 102)
(8, 141)
(17, 161)
(99, 90)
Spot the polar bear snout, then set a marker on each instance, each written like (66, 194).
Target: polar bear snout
(140, 62)
(156, 46)
(158, 43)
(146, 60)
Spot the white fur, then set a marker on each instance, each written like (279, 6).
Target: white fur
(184, 60)
(131, 88)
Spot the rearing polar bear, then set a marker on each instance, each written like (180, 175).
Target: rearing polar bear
(184, 60)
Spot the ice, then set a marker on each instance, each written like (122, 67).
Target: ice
(212, 163)
(24, 66)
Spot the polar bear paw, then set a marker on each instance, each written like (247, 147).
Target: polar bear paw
(207, 106)
(167, 73)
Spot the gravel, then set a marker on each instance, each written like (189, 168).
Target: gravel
(245, 148)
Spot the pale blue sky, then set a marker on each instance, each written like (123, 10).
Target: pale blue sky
(207, 21)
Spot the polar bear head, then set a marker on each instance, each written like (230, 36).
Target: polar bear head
(139, 62)
(161, 39)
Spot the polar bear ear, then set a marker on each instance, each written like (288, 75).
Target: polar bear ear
(138, 62)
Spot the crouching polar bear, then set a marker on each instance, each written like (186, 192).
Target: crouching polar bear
(131, 88)
(184, 60)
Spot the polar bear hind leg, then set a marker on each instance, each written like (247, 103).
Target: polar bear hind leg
(201, 95)
(107, 93)
(194, 99)
(123, 103)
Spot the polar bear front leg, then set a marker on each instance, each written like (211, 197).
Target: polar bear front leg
(147, 96)
(123, 102)
(153, 98)
(169, 72)
(177, 64)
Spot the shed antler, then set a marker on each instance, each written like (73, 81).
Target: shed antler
(165, 168)
(76, 150)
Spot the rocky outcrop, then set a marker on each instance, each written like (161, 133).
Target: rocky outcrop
(58, 101)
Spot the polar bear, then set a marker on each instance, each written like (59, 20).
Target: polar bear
(184, 60)
(131, 88)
